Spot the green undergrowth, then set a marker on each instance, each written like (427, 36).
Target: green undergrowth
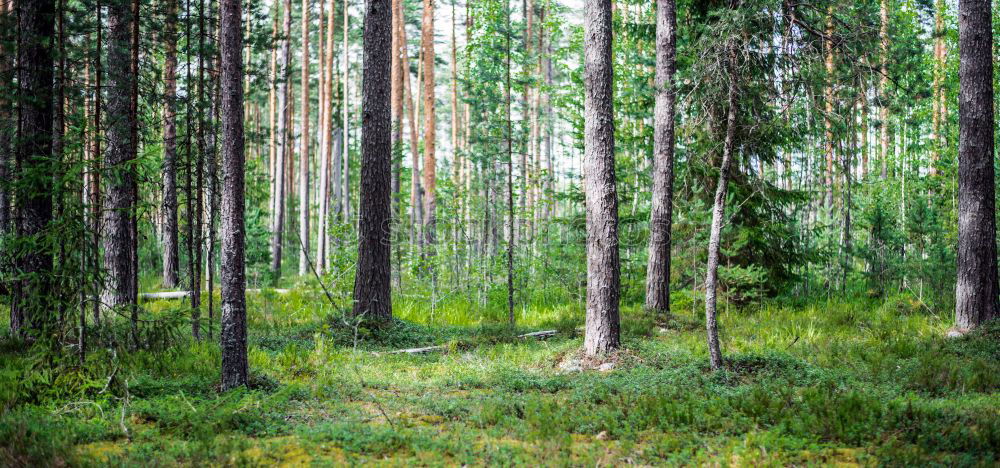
(853, 382)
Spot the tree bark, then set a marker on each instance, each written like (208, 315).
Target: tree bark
(661, 215)
(398, 48)
(602, 334)
(326, 154)
(828, 107)
(372, 282)
(883, 86)
(171, 262)
(511, 225)
(416, 208)
(304, 147)
(976, 296)
(119, 173)
(430, 161)
(235, 371)
(278, 226)
(271, 126)
(718, 211)
(7, 124)
(345, 200)
(32, 301)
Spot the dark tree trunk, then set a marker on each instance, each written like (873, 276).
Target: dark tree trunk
(32, 299)
(976, 292)
(118, 158)
(235, 371)
(603, 274)
(7, 124)
(372, 283)
(718, 210)
(171, 262)
(661, 217)
(278, 224)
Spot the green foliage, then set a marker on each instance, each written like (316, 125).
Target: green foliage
(856, 382)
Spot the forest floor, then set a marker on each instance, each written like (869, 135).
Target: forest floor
(810, 384)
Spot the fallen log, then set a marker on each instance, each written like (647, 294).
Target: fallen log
(168, 295)
(541, 335)
(152, 296)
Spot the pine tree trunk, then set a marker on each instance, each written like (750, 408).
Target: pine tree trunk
(212, 180)
(235, 370)
(511, 225)
(602, 335)
(976, 295)
(94, 195)
(32, 301)
(883, 87)
(416, 208)
(661, 215)
(304, 147)
(345, 163)
(937, 110)
(398, 48)
(326, 156)
(828, 107)
(7, 124)
(282, 150)
(430, 162)
(119, 173)
(171, 262)
(718, 211)
(372, 281)
(864, 132)
(271, 126)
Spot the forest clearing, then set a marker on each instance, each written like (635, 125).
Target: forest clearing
(496, 232)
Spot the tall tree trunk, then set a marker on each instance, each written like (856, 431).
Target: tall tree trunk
(372, 282)
(120, 174)
(937, 112)
(95, 201)
(883, 86)
(864, 130)
(345, 204)
(171, 262)
(134, 183)
(416, 203)
(430, 161)
(661, 215)
(976, 296)
(396, 95)
(830, 144)
(271, 126)
(326, 154)
(235, 371)
(281, 153)
(718, 211)
(511, 225)
(212, 181)
(602, 335)
(304, 147)
(457, 156)
(7, 124)
(32, 301)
